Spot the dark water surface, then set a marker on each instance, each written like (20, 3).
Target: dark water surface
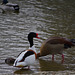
(47, 18)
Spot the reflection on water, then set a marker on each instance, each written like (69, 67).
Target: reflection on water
(51, 66)
(48, 18)
(23, 71)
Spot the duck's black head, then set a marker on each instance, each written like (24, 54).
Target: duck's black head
(5, 2)
(32, 35)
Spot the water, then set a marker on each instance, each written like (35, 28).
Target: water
(47, 18)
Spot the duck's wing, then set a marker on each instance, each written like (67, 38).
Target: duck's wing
(21, 57)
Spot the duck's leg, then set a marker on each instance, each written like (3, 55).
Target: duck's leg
(52, 57)
(62, 58)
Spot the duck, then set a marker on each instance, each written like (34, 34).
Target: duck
(9, 60)
(28, 56)
(6, 6)
(55, 45)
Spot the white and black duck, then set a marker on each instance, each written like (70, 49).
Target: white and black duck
(6, 6)
(26, 57)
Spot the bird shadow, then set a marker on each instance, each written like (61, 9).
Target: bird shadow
(24, 71)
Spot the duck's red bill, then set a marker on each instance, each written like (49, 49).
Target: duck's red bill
(37, 36)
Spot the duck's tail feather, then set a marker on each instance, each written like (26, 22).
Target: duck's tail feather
(72, 40)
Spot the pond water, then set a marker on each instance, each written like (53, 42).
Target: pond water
(46, 17)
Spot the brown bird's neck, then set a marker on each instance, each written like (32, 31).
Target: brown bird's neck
(38, 55)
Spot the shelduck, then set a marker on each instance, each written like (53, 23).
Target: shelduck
(27, 57)
(55, 45)
(6, 6)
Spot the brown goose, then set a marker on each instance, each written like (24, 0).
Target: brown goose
(55, 45)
